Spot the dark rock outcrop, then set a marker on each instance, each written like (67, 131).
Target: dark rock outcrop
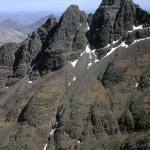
(54, 43)
(93, 105)
(7, 53)
(113, 18)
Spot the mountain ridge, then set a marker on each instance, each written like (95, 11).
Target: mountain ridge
(62, 90)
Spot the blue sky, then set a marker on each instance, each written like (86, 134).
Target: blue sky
(55, 5)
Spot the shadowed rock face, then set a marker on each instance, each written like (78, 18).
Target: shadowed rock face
(88, 104)
(59, 42)
(7, 57)
(31, 47)
(112, 19)
(7, 53)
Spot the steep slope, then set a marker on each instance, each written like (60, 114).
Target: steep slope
(59, 42)
(69, 96)
(113, 19)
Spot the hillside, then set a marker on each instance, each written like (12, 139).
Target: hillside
(9, 35)
(10, 23)
(80, 83)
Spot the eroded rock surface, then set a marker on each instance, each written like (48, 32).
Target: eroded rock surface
(77, 98)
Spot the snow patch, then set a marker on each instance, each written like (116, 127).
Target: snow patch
(69, 83)
(45, 147)
(97, 60)
(74, 78)
(114, 48)
(74, 63)
(79, 141)
(52, 131)
(88, 50)
(137, 27)
(81, 54)
(7, 87)
(30, 82)
(88, 28)
(137, 84)
(114, 42)
(107, 45)
(89, 64)
(123, 44)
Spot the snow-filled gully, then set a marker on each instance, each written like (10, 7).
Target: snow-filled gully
(52, 132)
(93, 56)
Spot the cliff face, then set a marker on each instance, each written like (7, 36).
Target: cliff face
(54, 43)
(64, 95)
(113, 19)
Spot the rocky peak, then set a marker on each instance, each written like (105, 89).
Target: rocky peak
(67, 41)
(87, 104)
(113, 19)
(110, 3)
(72, 21)
(54, 43)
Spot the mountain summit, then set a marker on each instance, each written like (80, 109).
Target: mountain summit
(113, 19)
(82, 83)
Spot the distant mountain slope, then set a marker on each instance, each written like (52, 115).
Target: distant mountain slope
(9, 35)
(12, 23)
(26, 17)
(33, 27)
(80, 83)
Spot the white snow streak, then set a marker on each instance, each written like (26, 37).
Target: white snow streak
(137, 84)
(107, 45)
(52, 131)
(114, 42)
(138, 27)
(97, 60)
(89, 64)
(88, 28)
(123, 44)
(45, 147)
(114, 48)
(140, 40)
(88, 50)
